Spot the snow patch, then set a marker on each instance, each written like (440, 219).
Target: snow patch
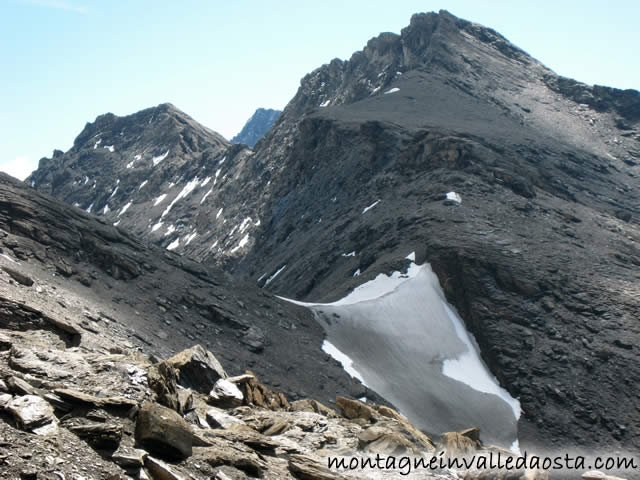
(105, 210)
(350, 254)
(173, 245)
(365, 210)
(125, 208)
(170, 230)
(242, 243)
(347, 363)
(158, 159)
(206, 195)
(272, 277)
(356, 273)
(114, 191)
(205, 181)
(325, 104)
(89, 208)
(159, 199)
(393, 90)
(219, 213)
(110, 148)
(143, 184)
(188, 188)
(95, 145)
(156, 226)
(190, 237)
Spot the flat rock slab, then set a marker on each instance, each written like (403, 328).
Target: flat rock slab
(31, 411)
(75, 396)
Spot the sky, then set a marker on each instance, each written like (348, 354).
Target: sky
(64, 62)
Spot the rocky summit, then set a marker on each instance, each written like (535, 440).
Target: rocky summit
(444, 145)
(255, 128)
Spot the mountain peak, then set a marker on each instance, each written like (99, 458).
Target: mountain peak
(259, 123)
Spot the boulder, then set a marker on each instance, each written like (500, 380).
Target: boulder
(455, 444)
(197, 368)
(18, 276)
(129, 458)
(31, 412)
(226, 394)
(353, 409)
(310, 405)
(163, 432)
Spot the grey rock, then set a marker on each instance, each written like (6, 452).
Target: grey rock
(163, 432)
(31, 412)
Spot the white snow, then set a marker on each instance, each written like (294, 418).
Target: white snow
(109, 147)
(158, 159)
(170, 230)
(468, 368)
(174, 244)
(242, 243)
(188, 238)
(365, 210)
(125, 208)
(454, 197)
(222, 161)
(114, 191)
(159, 199)
(188, 188)
(89, 208)
(205, 181)
(105, 210)
(272, 277)
(76, 204)
(350, 254)
(115, 224)
(356, 273)
(246, 222)
(325, 104)
(143, 184)
(215, 180)
(95, 145)
(393, 90)
(347, 363)
(135, 159)
(398, 327)
(219, 213)
(86, 180)
(156, 226)
(206, 195)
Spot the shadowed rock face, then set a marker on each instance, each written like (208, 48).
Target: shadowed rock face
(255, 128)
(540, 257)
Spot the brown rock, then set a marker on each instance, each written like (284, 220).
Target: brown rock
(454, 444)
(305, 467)
(310, 405)
(160, 470)
(162, 379)
(353, 409)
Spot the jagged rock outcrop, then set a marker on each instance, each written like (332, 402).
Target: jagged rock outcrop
(255, 128)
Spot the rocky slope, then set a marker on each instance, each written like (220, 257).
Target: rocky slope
(255, 128)
(518, 186)
(65, 266)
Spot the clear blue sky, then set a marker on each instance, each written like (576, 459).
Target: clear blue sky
(66, 61)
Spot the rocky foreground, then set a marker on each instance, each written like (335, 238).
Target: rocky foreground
(84, 406)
